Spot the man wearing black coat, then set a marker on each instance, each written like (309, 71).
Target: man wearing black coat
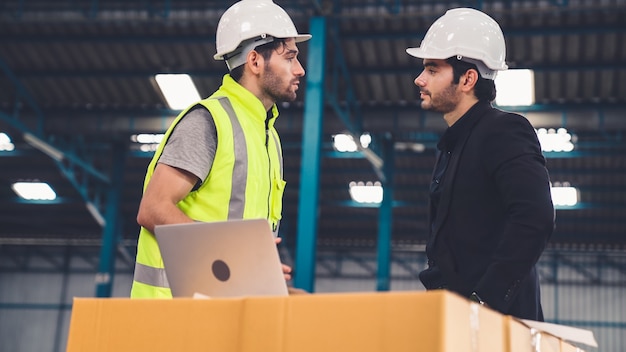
(491, 211)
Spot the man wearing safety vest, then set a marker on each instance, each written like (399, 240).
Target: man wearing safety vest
(221, 158)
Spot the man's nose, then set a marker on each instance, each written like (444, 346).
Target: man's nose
(419, 81)
(298, 69)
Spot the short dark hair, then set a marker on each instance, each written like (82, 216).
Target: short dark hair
(485, 89)
(264, 50)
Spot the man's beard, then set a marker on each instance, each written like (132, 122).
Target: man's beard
(443, 102)
(273, 87)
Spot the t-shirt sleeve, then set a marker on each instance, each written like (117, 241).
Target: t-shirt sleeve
(192, 144)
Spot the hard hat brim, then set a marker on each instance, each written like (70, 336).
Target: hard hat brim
(422, 54)
(302, 38)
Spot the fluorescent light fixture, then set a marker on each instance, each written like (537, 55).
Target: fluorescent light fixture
(147, 138)
(5, 143)
(366, 192)
(564, 195)
(415, 147)
(148, 148)
(34, 190)
(515, 88)
(149, 141)
(178, 90)
(343, 142)
(365, 140)
(558, 140)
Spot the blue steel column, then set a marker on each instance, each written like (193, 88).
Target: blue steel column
(311, 150)
(106, 268)
(385, 217)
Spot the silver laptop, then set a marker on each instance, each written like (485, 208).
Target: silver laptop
(221, 259)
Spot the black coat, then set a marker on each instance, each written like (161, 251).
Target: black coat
(494, 216)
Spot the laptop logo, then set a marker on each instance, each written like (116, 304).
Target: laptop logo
(220, 269)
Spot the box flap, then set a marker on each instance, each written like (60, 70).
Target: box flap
(564, 332)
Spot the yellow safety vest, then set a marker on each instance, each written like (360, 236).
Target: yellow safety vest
(245, 181)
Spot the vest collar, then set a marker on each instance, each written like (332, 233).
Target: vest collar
(246, 99)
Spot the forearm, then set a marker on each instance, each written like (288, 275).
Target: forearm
(167, 187)
(161, 214)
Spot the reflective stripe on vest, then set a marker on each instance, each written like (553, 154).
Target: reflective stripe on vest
(156, 276)
(280, 154)
(276, 226)
(240, 170)
(150, 276)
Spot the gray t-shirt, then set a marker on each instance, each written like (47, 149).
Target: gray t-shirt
(191, 146)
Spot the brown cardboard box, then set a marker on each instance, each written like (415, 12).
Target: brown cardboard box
(567, 347)
(521, 338)
(523, 335)
(391, 321)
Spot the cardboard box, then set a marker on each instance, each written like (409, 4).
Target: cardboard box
(567, 347)
(522, 338)
(436, 321)
(522, 334)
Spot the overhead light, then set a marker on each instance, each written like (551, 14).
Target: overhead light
(34, 190)
(365, 140)
(515, 88)
(5, 143)
(149, 141)
(178, 90)
(412, 146)
(147, 138)
(343, 142)
(563, 194)
(366, 192)
(555, 140)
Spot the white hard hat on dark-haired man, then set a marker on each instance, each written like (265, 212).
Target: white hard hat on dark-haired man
(491, 212)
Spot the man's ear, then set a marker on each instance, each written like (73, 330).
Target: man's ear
(254, 61)
(469, 79)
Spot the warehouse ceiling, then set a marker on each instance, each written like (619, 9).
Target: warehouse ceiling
(79, 77)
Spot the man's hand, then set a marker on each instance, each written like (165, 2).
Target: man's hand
(296, 291)
(286, 268)
(287, 272)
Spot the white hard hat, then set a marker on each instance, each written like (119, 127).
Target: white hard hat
(468, 34)
(255, 21)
